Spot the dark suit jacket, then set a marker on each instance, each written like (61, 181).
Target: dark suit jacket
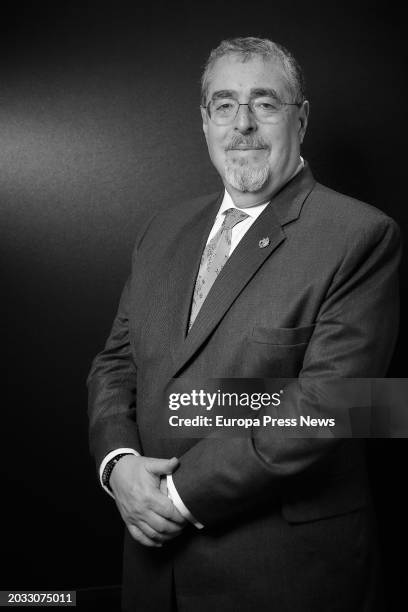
(288, 522)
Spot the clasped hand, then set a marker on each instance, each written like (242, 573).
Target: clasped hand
(139, 486)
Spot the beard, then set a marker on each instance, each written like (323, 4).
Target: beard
(245, 176)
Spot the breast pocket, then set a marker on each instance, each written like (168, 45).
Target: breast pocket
(276, 352)
(282, 336)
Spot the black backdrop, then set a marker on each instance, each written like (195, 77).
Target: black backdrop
(99, 124)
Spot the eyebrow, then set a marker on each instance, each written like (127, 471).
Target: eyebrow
(255, 92)
(262, 91)
(223, 93)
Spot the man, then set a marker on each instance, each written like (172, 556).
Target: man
(277, 276)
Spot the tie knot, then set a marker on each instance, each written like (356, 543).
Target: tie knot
(232, 217)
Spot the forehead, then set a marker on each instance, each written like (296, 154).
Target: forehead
(232, 73)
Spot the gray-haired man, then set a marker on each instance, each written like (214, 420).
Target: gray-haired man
(275, 277)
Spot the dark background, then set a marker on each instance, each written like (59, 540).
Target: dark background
(99, 124)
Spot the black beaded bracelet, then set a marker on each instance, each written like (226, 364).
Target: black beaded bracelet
(109, 467)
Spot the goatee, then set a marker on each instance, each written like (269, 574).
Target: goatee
(246, 177)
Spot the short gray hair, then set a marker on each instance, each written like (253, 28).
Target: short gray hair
(247, 48)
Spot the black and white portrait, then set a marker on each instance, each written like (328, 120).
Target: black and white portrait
(197, 192)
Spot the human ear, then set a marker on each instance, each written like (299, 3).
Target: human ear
(204, 117)
(303, 119)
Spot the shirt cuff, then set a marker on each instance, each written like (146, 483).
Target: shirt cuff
(178, 502)
(109, 456)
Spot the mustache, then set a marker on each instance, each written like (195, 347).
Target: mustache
(249, 141)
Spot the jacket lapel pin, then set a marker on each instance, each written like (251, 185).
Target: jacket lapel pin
(263, 242)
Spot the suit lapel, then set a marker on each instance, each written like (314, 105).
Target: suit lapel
(184, 269)
(261, 240)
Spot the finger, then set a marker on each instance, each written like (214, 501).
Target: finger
(162, 505)
(149, 532)
(155, 535)
(161, 466)
(161, 525)
(138, 535)
(163, 487)
(155, 503)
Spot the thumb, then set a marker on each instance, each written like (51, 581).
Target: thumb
(162, 466)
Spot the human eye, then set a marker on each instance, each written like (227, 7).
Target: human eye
(267, 104)
(223, 105)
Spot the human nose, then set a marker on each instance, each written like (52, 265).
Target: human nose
(245, 121)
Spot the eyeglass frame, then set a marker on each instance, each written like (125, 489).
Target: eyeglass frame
(249, 105)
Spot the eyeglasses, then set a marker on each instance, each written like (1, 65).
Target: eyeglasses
(223, 111)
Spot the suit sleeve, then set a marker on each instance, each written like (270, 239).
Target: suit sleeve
(112, 385)
(354, 337)
(112, 391)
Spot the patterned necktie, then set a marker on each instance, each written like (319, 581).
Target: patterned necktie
(214, 258)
